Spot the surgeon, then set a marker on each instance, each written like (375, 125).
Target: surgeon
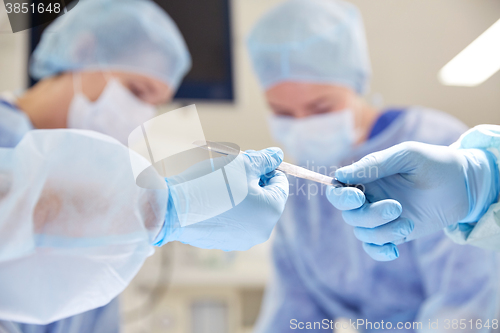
(311, 59)
(74, 226)
(428, 188)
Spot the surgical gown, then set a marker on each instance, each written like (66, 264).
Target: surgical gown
(321, 271)
(64, 249)
(105, 319)
(486, 232)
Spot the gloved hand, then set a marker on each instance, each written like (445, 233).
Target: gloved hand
(247, 224)
(413, 189)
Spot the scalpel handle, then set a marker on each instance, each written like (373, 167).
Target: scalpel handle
(304, 173)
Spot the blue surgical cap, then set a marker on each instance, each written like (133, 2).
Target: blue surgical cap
(317, 41)
(124, 35)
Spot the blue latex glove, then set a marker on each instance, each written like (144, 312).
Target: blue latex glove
(413, 189)
(250, 222)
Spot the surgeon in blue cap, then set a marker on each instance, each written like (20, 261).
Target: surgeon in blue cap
(311, 58)
(103, 66)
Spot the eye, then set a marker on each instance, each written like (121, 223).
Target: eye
(139, 89)
(283, 113)
(321, 105)
(323, 109)
(136, 91)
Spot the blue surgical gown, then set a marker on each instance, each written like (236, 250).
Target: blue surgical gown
(13, 126)
(321, 271)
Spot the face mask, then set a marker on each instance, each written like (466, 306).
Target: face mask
(117, 112)
(318, 140)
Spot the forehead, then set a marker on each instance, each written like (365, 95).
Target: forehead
(136, 77)
(295, 92)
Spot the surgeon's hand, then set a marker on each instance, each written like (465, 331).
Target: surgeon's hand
(247, 224)
(413, 189)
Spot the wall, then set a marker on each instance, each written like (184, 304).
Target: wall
(13, 49)
(411, 40)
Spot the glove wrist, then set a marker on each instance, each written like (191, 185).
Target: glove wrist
(170, 230)
(482, 181)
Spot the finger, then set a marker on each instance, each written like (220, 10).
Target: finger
(397, 159)
(266, 160)
(386, 252)
(277, 186)
(372, 215)
(345, 198)
(392, 232)
(267, 176)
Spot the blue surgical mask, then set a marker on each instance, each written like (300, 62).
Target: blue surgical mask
(317, 140)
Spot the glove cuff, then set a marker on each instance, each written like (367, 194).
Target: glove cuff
(482, 181)
(170, 231)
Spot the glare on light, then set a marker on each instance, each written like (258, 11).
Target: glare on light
(476, 63)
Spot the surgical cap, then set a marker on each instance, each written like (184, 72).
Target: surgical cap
(124, 35)
(317, 41)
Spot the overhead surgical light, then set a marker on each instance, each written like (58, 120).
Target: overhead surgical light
(476, 63)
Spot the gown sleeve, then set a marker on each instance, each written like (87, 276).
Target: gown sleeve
(74, 226)
(486, 232)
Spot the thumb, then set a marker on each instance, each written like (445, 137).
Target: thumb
(345, 198)
(277, 188)
(264, 161)
(397, 159)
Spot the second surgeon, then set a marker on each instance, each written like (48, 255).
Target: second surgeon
(311, 58)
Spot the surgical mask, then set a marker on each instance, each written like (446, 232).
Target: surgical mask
(317, 140)
(117, 112)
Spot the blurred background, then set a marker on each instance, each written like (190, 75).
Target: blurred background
(184, 289)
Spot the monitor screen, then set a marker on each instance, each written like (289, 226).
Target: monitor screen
(205, 25)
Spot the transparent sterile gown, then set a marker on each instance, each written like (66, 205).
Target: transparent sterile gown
(74, 226)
